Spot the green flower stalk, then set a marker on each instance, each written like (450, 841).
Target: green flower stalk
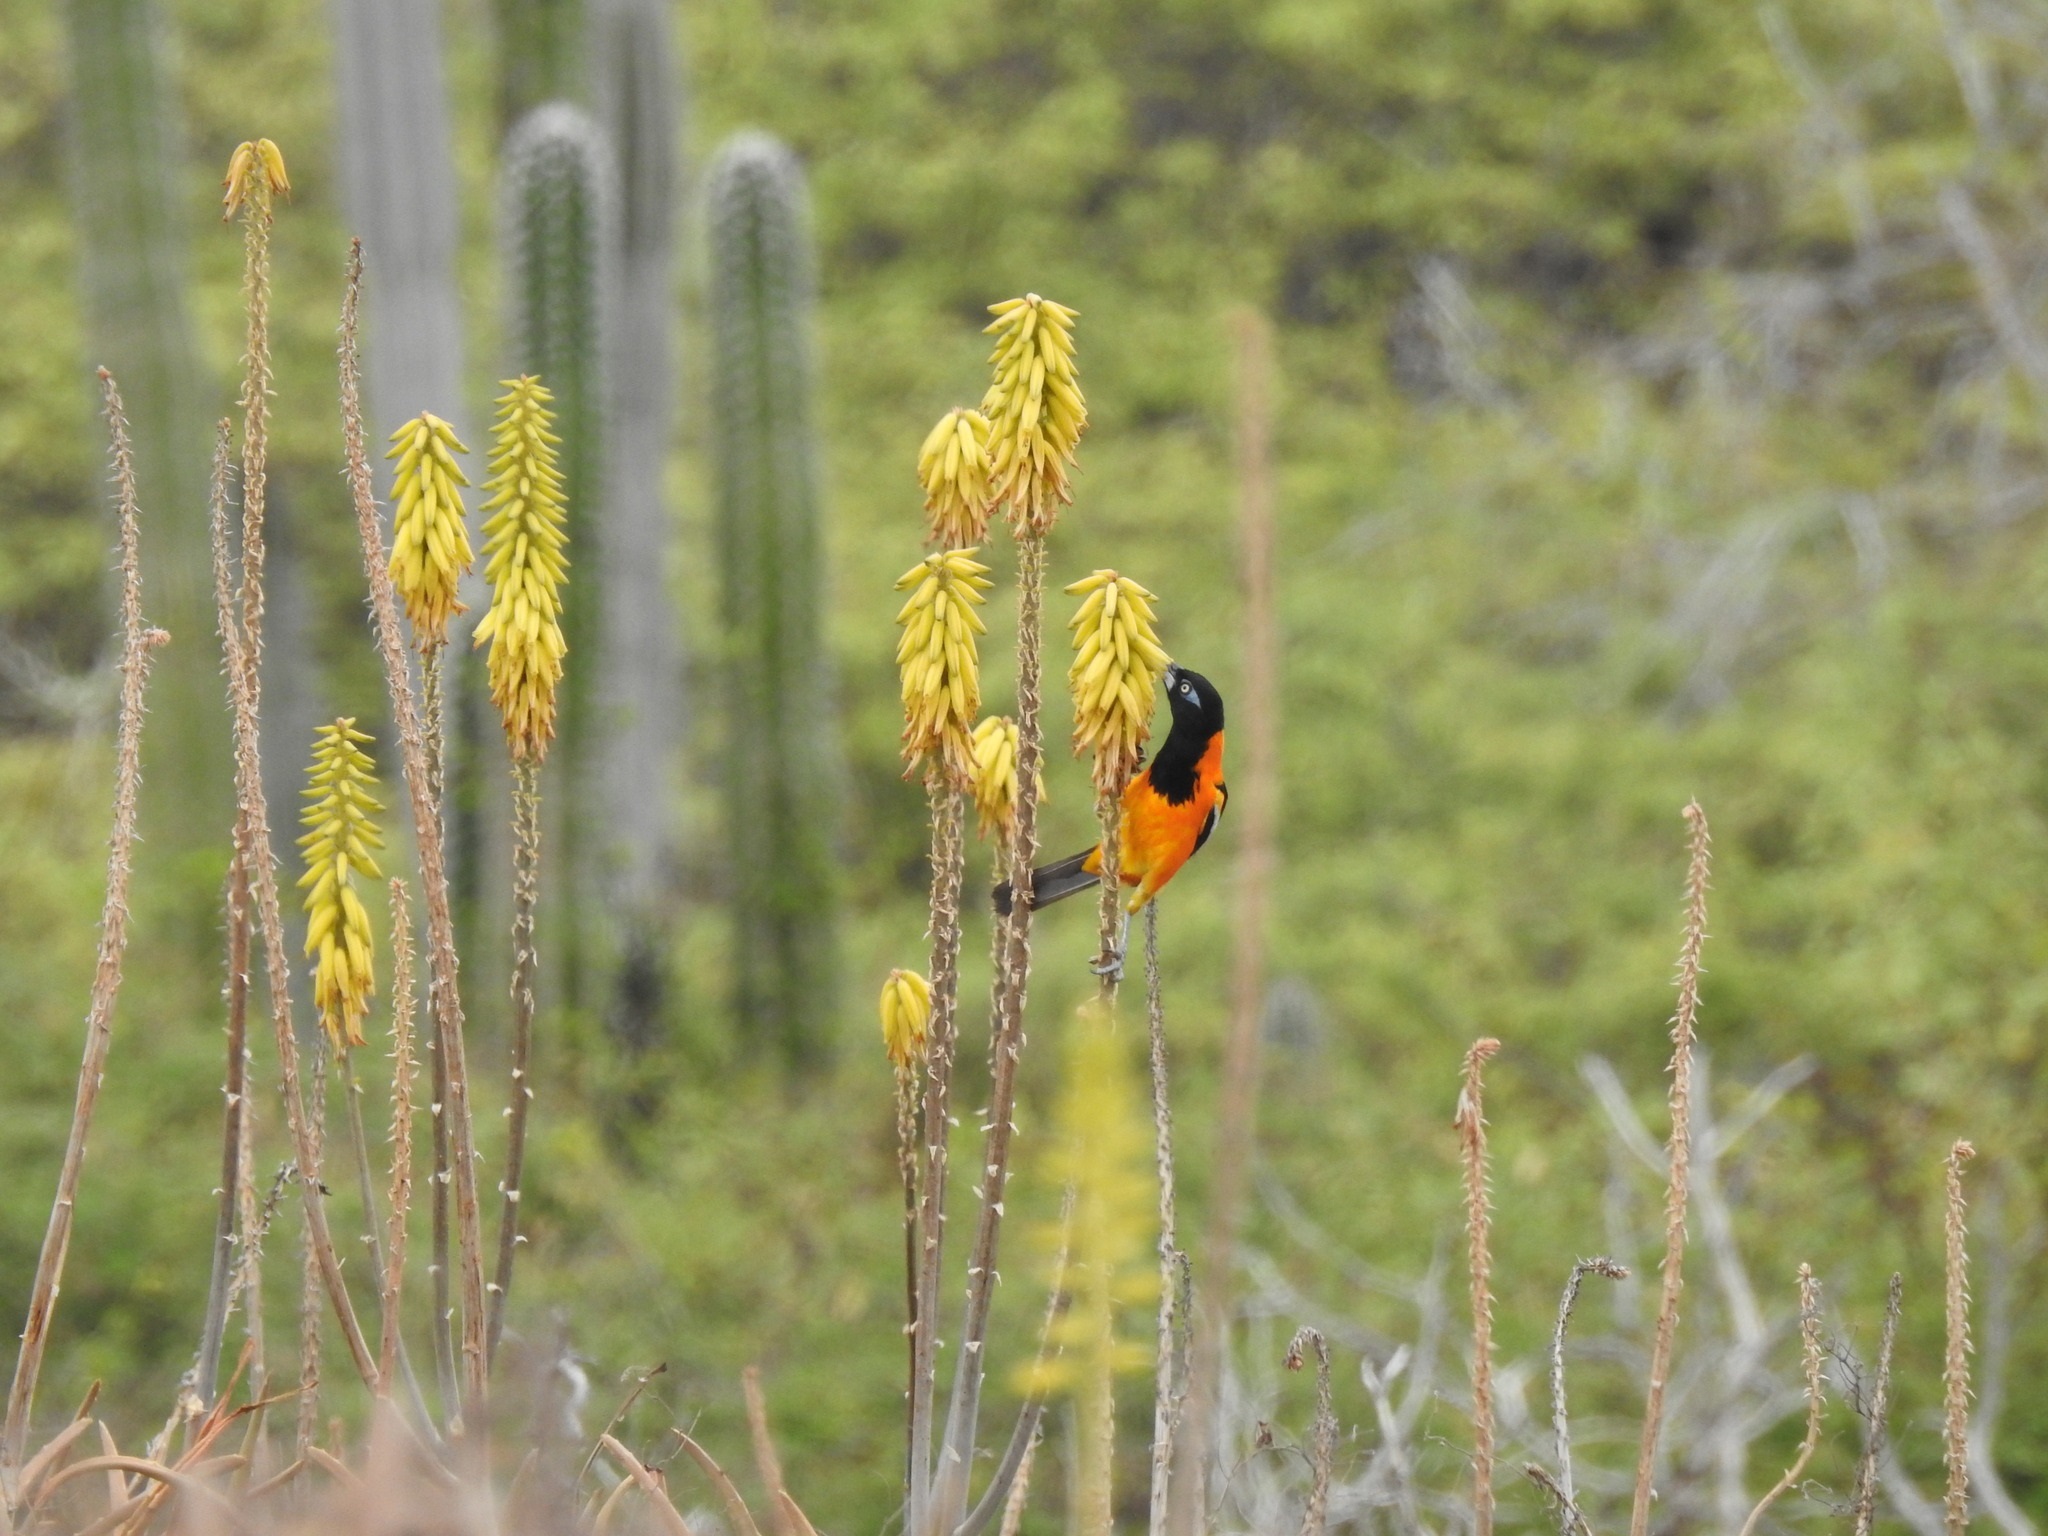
(341, 834)
(1034, 407)
(524, 534)
(430, 550)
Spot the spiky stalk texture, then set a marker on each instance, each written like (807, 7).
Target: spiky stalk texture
(1955, 1372)
(1470, 1122)
(137, 641)
(444, 992)
(255, 178)
(519, 1106)
(341, 834)
(560, 214)
(429, 540)
(1169, 1370)
(245, 698)
(525, 529)
(1699, 870)
(1811, 1363)
(392, 1283)
(781, 755)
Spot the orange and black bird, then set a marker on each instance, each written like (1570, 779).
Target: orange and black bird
(1170, 808)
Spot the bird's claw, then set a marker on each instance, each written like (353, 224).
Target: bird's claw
(1110, 969)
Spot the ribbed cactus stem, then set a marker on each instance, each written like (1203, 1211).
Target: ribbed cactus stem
(782, 745)
(639, 684)
(558, 206)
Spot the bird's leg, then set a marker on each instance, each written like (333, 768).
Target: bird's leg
(1112, 965)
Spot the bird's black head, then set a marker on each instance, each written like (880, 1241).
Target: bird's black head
(1196, 705)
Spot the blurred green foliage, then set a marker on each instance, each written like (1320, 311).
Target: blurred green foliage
(1641, 437)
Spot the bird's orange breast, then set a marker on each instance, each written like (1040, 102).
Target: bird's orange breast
(1159, 835)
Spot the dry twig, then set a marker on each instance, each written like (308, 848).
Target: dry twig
(1315, 1514)
(1810, 1360)
(426, 812)
(1863, 1502)
(393, 1286)
(137, 641)
(766, 1463)
(1680, 1157)
(1564, 1491)
(1470, 1121)
(1955, 1373)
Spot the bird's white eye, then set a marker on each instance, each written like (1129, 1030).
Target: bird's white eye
(1188, 689)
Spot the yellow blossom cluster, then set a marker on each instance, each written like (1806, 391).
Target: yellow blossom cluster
(525, 530)
(341, 834)
(939, 661)
(1034, 408)
(1115, 674)
(429, 542)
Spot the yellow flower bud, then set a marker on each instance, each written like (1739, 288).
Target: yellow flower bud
(429, 541)
(255, 175)
(1034, 407)
(906, 1015)
(995, 776)
(524, 535)
(1115, 674)
(337, 846)
(952, 466)
(940, 664)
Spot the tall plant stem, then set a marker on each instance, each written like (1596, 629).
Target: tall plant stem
(948, 860)
(245, 693)
(426, 812)
(393, 1288)
(1471, 1126)
(1955, 1372)
(1169, 1370)
(525, 893)
(1109, 907)
(393, 1365)
(1006, 1046)
(234, 1109)
(1255, 795)
(255, 403)
(1699, 868)
(907, 1156)
(434, 707)
(309, 1274)
(137, 641)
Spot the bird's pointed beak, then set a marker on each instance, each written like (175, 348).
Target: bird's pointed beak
(1172, 676)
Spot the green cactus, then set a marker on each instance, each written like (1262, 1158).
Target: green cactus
(557, 210)
(639, 96)
(781, 751)
(123, 143)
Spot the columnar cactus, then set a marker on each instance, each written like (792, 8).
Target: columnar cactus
(640, 674)
(781, 753)
(558, 206)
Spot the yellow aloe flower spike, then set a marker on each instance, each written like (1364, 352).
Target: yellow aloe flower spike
(524, 534)
(429, 541)
(341, 832)
(1115, 674)
(1034, 407)
(952, 466)
(906, 1015)
(995, 776)
(255, 172)
(939, 661)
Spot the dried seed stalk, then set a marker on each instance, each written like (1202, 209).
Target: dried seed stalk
(1863, 1502)
(426, 810)
(525, 896)
(1955, 1373)
(1682, 1026)
(137, 641)
(1471, 1126)
(1810, 1361)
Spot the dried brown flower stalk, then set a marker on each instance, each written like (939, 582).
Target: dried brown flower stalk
(245, 697)
(1563, 1491)
(426, 810)
(1169, 1385)
(1863, 1501)
(402, 1003)
(137, 641)
(1810, 1351)
(1698, 870)
(1470, 1121)
(1955, 1372)
(1315, 1514)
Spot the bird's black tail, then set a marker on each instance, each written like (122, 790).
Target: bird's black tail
(1054, 882)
